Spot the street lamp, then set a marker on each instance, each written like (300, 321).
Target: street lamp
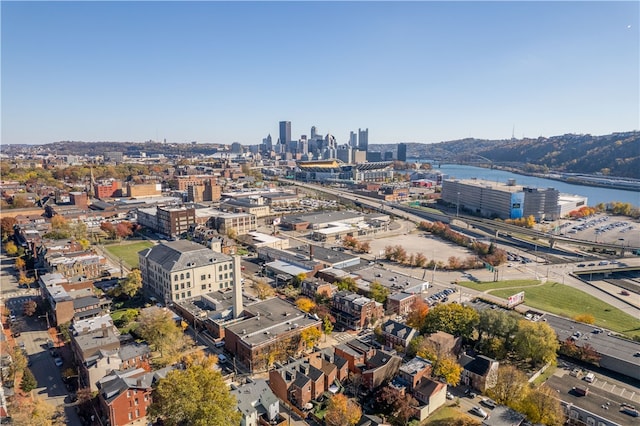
(458, 205)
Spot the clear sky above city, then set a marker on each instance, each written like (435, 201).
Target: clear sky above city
(219, 72)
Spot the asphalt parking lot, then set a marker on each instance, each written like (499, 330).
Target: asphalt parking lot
(605, 398)
(617, 230)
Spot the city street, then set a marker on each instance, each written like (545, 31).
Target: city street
(34, 336)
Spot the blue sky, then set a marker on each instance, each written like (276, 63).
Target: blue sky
(219, 72)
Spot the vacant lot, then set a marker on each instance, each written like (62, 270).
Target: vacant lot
(448, 415)
(415, 242)
(564, 301)
(128, 252)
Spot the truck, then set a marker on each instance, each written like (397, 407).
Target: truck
(581, 390)
(630, 411)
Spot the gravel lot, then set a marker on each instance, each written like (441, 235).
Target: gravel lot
(414, 242)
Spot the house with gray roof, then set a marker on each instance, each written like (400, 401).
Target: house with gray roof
(480, 372)
(397, 334)
(257, 403)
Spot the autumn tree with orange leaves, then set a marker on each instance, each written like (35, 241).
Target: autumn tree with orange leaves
(418, 314)
(342, 411)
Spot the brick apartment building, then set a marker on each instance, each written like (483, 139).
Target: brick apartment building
(354, 311)
(107, 189)
(125, 396)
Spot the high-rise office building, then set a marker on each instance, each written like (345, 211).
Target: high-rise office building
(313, 132)
(285, 133)
(363, 139)
(402, 152)
(353, 140)
(267, 142)
(236, 148)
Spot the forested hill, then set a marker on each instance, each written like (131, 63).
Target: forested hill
(617, 154)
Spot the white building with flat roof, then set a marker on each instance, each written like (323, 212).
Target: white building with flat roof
(508, 200)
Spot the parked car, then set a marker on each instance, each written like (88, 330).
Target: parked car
(489, 403)
(479, 412)
(59, 362)
(449, 395)
(580, 391)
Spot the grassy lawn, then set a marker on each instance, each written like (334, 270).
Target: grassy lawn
(568, 302)
(128, 252)
(445, 416)
(483, 286)
(544, 376)
(117, 316)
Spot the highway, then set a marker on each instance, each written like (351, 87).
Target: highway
(561, 272)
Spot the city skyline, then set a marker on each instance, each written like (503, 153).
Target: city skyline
(222, 72)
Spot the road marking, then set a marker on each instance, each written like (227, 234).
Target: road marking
(622, 391)
(612, 388)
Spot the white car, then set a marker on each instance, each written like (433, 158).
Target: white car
(488, 403)
(479, 412)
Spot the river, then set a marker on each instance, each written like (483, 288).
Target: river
(594, 194)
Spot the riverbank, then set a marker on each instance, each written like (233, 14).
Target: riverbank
(625, 184)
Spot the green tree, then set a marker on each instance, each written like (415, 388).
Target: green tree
(28, 382)
(196, 396)
(497, 323)
(327, 325)
(348, 284)
(511, 386)
(160, 330)
(451, 318)
(78, 230)
(65, 331)
(379, 293)
(536, 342)
(542, 407)
(132, 284)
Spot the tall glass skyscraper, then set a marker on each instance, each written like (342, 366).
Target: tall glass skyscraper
(285, 133)
(402, 152)
(363, 139)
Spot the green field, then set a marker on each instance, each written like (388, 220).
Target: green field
(446, 415)
(563, 300)
(484, 286)
(128, 252)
